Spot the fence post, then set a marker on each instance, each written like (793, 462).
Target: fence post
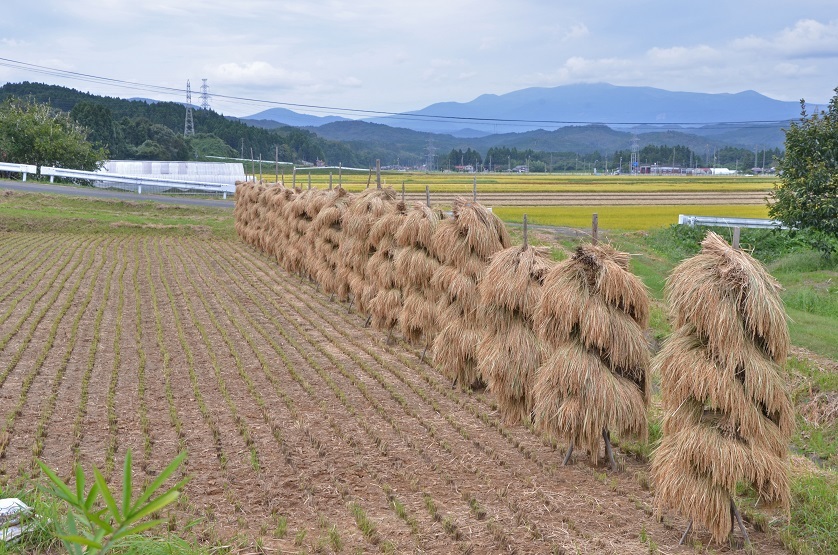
(594, 228)
(378, 174)
(526, 240)
(735, 237)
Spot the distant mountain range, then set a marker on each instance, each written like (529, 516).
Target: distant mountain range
(556, 119)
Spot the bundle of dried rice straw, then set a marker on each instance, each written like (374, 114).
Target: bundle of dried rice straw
(592, 315)
(464, 245)
(728, 416)
(414, 266)
(510, 352)
(327, 228)
(355, 250)
(386, 305)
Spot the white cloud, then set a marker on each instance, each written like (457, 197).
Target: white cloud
(577, 31)
(258, 74)
(350, 82)
(807, 38)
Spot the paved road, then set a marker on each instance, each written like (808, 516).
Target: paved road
(34, 187)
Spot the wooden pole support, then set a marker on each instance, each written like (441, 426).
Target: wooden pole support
(738, 517)
(609, 452)
(378, 174)
(294, 177)
(595, 228)
(474, 189)
(340, 175)
(330, 181)
(309, 181)
(566, 460)
(736, 232)
(252, 168)
(369, 179)
(276, 162)
(686, 532)
(402, 191)
(428, 195)
(526, 242)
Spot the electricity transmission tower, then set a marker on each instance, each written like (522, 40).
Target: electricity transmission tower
(635, 153)
(431, 151)
(205, 95)
(189, 126)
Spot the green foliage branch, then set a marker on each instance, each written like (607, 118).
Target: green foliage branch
(32, 133)
(806, 198)
(95, 520)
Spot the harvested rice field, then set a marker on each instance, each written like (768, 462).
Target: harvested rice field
(305, 431)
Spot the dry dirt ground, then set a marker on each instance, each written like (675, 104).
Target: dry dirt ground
(304, 430)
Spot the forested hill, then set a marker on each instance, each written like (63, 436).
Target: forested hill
(135, 129)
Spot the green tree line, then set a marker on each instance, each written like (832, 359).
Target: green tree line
(139, 130)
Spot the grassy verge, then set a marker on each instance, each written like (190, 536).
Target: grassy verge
(60, 213)
(628, 217)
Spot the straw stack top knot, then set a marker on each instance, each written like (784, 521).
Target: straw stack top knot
(606, 272)
(729, 296)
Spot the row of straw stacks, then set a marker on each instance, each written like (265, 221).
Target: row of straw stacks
(560, 345)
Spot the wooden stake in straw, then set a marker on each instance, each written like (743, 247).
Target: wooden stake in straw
(369, 179)
(402, 191)
(340, 174)
(428, 195)
(309, 181)
(738, 517)
(595, 228)
(330, 181)
(294, 177)
(526, 243)
(378, 174)
(276, 161)
(283, 177)
(474, 190)
(735, 243)
(260, 166)
(252, 168)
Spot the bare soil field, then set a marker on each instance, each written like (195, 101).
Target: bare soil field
(304, 430)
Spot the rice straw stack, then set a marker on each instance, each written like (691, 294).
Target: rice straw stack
(355, 250)
(386, 305)
(464, 244)
(727, 412)
(328, 229)
(414, 266)
(278, 227)
(592, 315)
(510, 352)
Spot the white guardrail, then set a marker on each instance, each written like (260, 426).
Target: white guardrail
(18, 168)
(717, 221)
(139, 182)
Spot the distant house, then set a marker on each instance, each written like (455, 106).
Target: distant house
(468, 168)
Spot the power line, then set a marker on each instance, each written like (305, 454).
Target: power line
(132, 85)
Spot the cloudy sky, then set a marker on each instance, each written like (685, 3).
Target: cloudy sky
(397, 55)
